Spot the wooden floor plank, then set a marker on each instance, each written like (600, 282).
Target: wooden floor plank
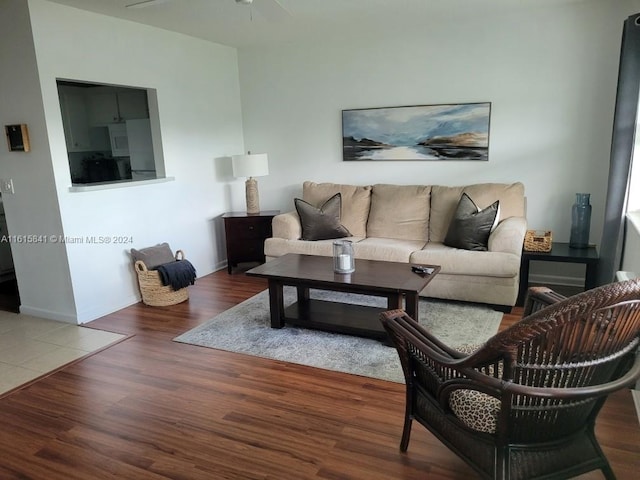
(151, 408)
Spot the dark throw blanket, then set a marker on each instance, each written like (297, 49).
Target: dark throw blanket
(178, 274)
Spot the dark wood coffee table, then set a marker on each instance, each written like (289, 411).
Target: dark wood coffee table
(394, 281)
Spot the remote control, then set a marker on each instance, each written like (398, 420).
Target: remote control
(420, 269)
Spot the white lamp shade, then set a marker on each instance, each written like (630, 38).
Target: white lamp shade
(250, 165)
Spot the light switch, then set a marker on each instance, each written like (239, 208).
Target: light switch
(6, 185)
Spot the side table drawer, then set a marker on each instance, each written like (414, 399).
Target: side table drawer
(248, 229)
(248, 251)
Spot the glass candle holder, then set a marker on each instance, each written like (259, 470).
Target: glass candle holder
(343, 260)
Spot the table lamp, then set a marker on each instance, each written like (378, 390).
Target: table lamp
(251, 165)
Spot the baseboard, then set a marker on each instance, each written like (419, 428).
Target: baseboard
(220, 266)
(48, 314)
(102, 310)
(556, 280)
(81, 317)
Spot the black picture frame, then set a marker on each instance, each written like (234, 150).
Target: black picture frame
(17, 138)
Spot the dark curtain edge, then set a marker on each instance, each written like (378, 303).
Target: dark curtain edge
(624, 126)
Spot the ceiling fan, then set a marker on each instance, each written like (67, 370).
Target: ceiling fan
(260, 4)
(146, 3)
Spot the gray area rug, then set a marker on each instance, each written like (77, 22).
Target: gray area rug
(246, 329)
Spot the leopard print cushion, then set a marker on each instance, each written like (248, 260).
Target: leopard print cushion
(476, 410)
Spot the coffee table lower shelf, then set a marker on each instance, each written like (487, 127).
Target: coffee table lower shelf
(393, 281)
(336, 317)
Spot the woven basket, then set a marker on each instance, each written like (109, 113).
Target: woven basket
(537, 241)
(153, 292)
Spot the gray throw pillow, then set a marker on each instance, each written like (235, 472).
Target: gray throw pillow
(153, 256)
(321, 223)
(470, 228)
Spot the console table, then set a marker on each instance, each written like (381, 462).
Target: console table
(245, 235)
(560, 252)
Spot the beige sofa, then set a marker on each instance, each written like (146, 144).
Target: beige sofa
(408, 223)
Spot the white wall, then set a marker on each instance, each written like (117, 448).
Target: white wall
(199, 104)
(32, 211)
(550, 74)
(631, 255)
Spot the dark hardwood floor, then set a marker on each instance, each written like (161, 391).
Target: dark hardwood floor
(150, 408)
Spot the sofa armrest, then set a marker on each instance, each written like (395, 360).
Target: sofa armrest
(287, 225)
(508, 237)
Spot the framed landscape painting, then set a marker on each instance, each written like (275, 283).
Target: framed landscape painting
(421, 132)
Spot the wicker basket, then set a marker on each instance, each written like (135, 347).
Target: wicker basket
(153, 292)
(537, 241)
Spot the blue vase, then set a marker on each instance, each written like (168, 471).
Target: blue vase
(580, 221)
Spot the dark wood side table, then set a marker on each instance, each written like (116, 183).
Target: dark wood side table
(560, 252)
(245, 234)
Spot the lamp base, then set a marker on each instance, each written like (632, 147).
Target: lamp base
(253, 201)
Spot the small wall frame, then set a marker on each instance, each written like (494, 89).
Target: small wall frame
(17, 138)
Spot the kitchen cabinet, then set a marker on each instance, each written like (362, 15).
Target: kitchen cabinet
(74, 120)
(103, 108)
(115, 106)
(133, 104)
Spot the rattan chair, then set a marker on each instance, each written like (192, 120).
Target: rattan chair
(524, 404)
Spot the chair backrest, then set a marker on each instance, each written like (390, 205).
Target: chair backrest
(581, 342)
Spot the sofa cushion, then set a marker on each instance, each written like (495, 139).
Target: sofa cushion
(355, 203)
(470, 227)
(473, 288)
(276, 247)
(444, 201)
(386, 249)
(399, 211)
(321, 223)
(467, 262)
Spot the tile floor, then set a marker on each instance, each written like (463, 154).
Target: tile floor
(31, 347)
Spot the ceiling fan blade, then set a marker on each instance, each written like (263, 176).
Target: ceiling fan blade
(283, 8)
(271, 10)
(146, 3)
